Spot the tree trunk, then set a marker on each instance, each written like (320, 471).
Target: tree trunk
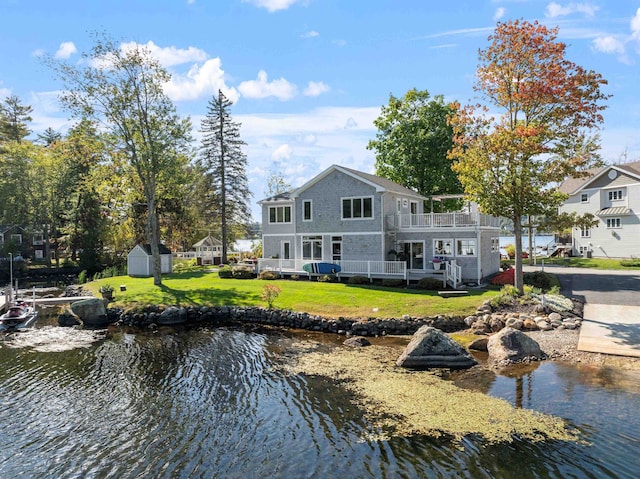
(154, 240)
(517, 226)
(530, 230)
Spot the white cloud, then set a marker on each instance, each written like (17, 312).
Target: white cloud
(310, 34)
(316, 88)
(609, 44)
(170, 56)
(635, 26)
(272, 5)
(556, 10)
(263, 88)
(499, 13)
(283, 152)
(65, 51)
(200, 81)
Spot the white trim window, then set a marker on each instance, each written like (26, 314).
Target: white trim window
(279, 214)
(495, 245)
(307, 210)
(585, 232)
(466, 247)
(357, 208)
(312, 247)
(443, 247)
(39, 254)
(615, 195)
(16, 238)
(285, 250)
(614, 223)
(584, 198)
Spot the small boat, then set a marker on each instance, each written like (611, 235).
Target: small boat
(20, 315)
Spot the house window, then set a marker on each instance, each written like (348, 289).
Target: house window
(356, 208)
(414, 252)
(584, 198)
(442, 247)
(16, 239)
(585, 232)
(312, 247)
(336, 248)
(613, 223)
(307, 210)
(414, 207)
(495, 245)
(398, 205)
(466, 247)
(615, 195)
(286, 249)
(39, 254)
(280, 214)
(38, 239)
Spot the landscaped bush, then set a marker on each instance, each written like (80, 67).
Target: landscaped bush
(541, 280)
(82, 277)
(630, 262)
(393, 283)
(359, 280)
(240, 272)
(269, 275)
(506, 277)
(327, 278)
(511, 250)
(225, 272)
(432, 284)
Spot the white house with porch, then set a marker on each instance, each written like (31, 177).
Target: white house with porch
(371, 226)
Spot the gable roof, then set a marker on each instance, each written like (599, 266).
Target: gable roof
(147, 248)
(572, 185)
(380, 184)
(285, 196)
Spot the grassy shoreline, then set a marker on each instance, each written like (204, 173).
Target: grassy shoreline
(326, 299)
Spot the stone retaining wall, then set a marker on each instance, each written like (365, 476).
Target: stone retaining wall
(155, 316)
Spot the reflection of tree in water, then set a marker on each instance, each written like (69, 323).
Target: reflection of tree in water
(523, 375)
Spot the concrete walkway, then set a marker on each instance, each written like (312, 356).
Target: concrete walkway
(612, 307)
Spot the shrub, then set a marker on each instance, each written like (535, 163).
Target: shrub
(327, 278)
(359, 280)
(240, 272)
(630, 262)
(506, 277)
(82, 277)
(294, 277)
(269, 294)
(225, 272)
(393, 283)
(430, 283)
(505, 265)
(541, 280)
(269, 275)
(511, 250)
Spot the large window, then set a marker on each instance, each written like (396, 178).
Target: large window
(614, 223)
(356, 208)
(307, 210)
(16, 239)
(280, 214)
(336, 248)
(466, 247)
(312, 247)
(615, 195)
(443, 247)
(286, 250)
(495, 245)
(585, 232)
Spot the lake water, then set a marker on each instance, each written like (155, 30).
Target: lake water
(216, 403)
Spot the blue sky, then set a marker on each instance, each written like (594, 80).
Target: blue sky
(309, 76)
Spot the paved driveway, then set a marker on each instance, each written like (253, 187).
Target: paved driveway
(612, 307)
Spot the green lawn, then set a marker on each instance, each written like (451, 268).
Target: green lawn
(326, 299)
(594, 263)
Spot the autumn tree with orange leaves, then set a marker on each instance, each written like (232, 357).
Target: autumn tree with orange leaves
(548, 110)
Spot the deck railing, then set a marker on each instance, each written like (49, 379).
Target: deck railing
(369, 269)
(441, 220)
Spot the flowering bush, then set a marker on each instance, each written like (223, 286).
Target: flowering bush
(269, 293)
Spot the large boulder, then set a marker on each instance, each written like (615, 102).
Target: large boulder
(511, 345)
(91, 312)
(431, 348)
(172, 315)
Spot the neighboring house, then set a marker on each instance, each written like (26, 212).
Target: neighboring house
(209, 250)
(373, 226)
(612, 194)
(140, 260)
(14, 240)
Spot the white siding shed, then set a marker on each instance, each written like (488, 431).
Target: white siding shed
(140, 260)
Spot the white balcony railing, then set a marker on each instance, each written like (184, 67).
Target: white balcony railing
(441, 220)
(370, 269)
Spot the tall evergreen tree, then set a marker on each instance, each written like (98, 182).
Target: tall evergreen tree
(224, 165)
(49, 136)
(14, 117)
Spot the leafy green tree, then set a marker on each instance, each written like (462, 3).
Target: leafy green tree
(276, 184)
(549, 107)
(123, 89)
(16, 185)
(412, 143)
(14, 118)
(224, 165)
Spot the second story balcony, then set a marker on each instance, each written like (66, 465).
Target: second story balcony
(441, 220)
